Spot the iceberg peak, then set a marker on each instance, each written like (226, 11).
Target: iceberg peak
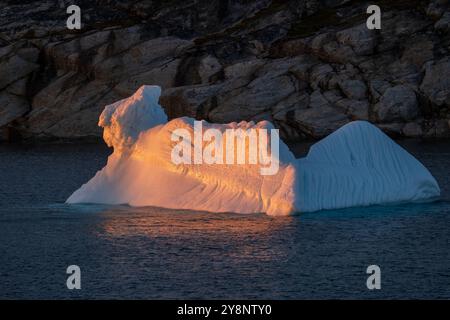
(124, 120)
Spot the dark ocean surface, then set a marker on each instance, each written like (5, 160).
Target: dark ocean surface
(147, 253)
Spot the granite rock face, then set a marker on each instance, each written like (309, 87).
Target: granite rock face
(308, 66)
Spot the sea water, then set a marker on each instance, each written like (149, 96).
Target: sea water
(126, 252)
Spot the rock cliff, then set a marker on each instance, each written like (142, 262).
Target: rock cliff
(309, 66)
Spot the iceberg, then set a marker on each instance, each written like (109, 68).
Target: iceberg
(358, 165)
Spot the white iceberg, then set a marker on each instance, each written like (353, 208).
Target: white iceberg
(358, 165)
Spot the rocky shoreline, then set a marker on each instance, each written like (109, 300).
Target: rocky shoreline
(308, 66)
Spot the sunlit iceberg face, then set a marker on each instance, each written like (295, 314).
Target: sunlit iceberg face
(236, 144)
(183, 164)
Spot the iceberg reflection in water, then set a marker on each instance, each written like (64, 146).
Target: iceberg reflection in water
(357, 165)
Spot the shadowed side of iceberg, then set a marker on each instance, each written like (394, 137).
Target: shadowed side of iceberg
(358, 165)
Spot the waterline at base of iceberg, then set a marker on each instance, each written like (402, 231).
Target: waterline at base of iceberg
(358, 165)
